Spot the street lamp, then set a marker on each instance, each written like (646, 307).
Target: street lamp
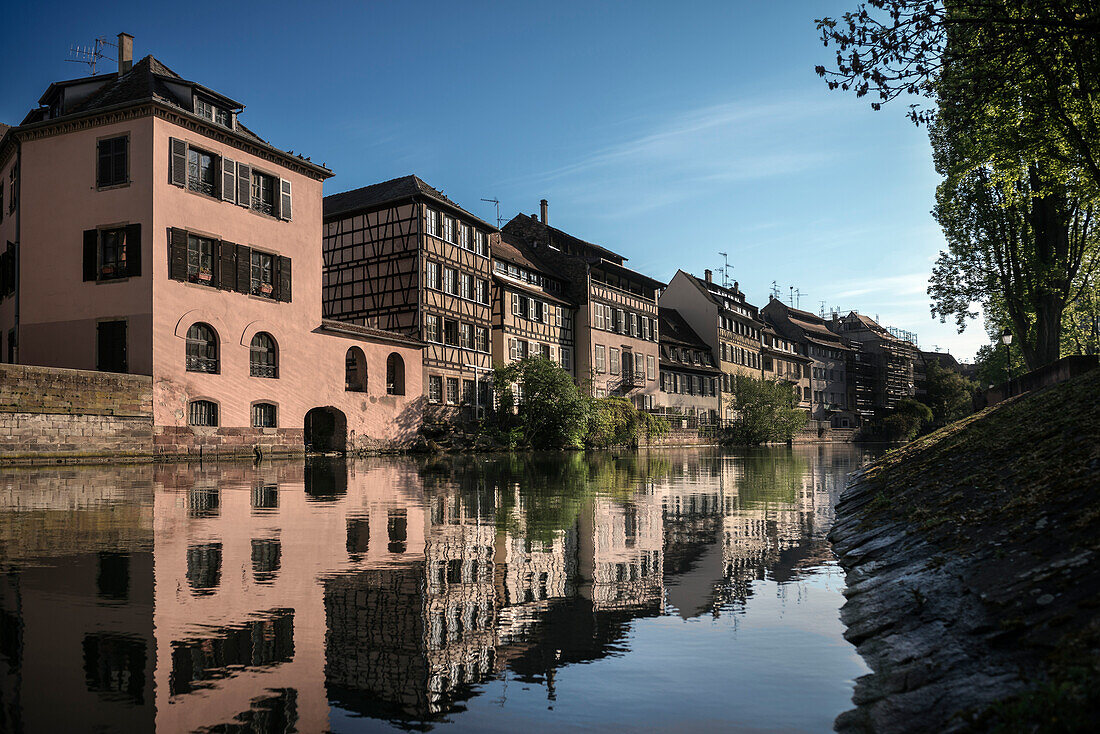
(1006, 339)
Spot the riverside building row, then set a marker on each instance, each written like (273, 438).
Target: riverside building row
(145, 229)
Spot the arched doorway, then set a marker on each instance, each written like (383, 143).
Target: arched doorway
(326, 430)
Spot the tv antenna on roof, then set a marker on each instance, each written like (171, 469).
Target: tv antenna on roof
(775, 289)
(90, 55)
(822, 314)
(725, 269)
(497, 202)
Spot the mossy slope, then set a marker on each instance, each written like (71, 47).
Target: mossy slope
(974, 586)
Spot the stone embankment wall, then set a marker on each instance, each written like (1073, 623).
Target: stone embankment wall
(973, 587)
(48, 413)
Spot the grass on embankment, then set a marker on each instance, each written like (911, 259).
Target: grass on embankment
(1014, 492)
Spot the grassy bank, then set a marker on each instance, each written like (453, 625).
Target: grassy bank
(1002, 511)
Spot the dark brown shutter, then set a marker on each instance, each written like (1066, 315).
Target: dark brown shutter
(5, 259)
(177, 162)
(91, 253)
(227, 266)
(282, 278)
(244, 185)
(177, 254)
(284, 199)
(133, 250)
(229, 180)
(244, 269)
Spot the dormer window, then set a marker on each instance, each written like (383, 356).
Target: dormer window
(209, 110)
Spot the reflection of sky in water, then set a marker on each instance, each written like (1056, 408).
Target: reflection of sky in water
(679, 590)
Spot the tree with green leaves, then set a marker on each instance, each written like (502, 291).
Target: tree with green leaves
(1016, 243)
(766, 411)
(905, 421)
(949, 395)
(549, 410)
(1025, 73)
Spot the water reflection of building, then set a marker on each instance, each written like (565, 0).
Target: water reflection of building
(385, 589)
(76, 601)
(620, 552)
(240, 611)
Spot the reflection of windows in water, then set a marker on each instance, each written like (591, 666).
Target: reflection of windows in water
(267, 555)
(358, 535)
(204, 567)
(265, 496)
(113, 575)
(11, 641)
(277, 713)
(258, 643)
(454, 571)
(114, 666)
(397, 526)
(630, 523)
(203, 502)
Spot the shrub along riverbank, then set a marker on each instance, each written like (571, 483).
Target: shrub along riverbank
(973, 582)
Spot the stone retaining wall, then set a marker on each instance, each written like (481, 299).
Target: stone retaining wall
(51, 414)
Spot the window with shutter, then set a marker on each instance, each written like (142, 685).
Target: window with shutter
(177, 162)
(227, 266)
(282, 279)
(112, 168)
(91, 245)
(133, 250)
(284, 199)
(244, 185)
(177, 254)
(244, 268)
(229, 180)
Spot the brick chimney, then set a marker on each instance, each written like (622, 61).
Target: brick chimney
(125, 53)
(708, 276)
(544, 209)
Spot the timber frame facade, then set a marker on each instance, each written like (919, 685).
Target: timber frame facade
(401, 256)
(530, 316)
(616, 326)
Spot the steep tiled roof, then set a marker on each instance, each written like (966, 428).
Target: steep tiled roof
(675, 330)
(512, 249)
(148, 80)
(395, 189)
(522, 221)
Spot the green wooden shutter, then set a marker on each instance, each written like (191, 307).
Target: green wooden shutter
(133, 250)
(177, 162)
(282, 278)
(177, 254)
(91, 254)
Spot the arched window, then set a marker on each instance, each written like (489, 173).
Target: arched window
(264, 416)
(395, 374)
(355, 371)
(202, 413)
(202, 349)
(262, 358)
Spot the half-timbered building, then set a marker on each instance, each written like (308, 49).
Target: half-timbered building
(783, 361)
(616, 325)
(727, 322)
(151, 232)
(689, 375)
(531, 316)
(401, 256)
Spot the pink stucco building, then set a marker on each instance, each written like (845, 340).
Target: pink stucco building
(146, 230)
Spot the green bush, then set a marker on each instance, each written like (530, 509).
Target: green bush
(766, 411)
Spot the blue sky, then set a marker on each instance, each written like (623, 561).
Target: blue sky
(668, 132)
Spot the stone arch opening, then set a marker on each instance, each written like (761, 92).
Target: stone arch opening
(326, 430)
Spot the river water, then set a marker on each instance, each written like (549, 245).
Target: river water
(679, 590)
